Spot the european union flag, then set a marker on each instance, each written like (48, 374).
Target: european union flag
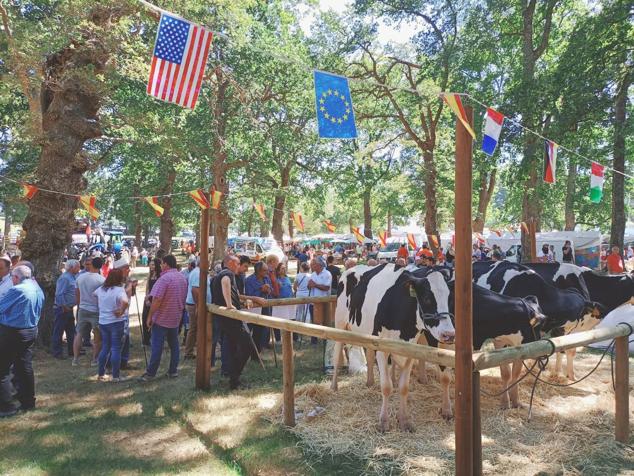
(335, 117)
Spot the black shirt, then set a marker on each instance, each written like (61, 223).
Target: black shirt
(240, 283)
(335, 272)
(216, 289)
(566, 254)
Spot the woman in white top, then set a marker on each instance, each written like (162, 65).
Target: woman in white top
(112, 302)
(300, 286)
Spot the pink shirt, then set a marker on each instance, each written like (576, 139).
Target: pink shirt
(171, 288)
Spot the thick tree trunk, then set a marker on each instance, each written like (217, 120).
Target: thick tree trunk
(485, 193)
(291, 226)
(617, 229)
(167, 223)
(569, 211)
(388, 232)
(367, 214)
(277, 225)
(431, 207)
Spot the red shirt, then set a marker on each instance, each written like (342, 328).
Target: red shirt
(402, 253)
(615, 264)
(171, 288)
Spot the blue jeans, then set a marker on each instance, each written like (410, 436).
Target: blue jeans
(111, 342)
(159, 333)
(64, 323)
(219, 338)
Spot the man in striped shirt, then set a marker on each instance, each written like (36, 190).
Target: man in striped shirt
(166, 311)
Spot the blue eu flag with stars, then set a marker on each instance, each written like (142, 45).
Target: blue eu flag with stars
(335, 117)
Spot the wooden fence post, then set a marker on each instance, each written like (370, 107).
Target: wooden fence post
(477, 426)
(622, 391)
(203, 370)
(288, 378)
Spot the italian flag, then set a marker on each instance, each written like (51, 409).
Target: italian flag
(596, 182)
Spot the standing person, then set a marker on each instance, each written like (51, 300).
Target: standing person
(542, 255)
(6, 282)
(191, 305)
(130, 288)
(402, 252)
(87, 310)
(567, 255)
(301, 290)
(319, 285)
(155, 272)
(259, 285)
(166, 311)
(241, 276)
(552, 256)
(112, 302)
(450, 255)
(615, 261)
(144, 257)
(65, 300)
(302, 257)
(335, 272)
(134, 256)
(20, 310)
(286, 291)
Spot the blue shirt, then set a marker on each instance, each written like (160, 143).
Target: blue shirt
(301, 257)
(252, 286)
(21, 306)
(194, 282)
(286, 290)
(65, 290)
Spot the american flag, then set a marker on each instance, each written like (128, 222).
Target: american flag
(179, 60)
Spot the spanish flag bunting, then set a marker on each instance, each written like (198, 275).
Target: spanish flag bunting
(298, 220)
(524, 227)
(455, 104)
(215, 198)
(383, 238)
(550, 161)
(358, 235)
(260, 209)
(200, 198)
(153, 201)
(330, 226)
(433, 239)
(411, 240)
(28, 191)
(479, 237)
(511, 230)
(497, 232)
(88, 202)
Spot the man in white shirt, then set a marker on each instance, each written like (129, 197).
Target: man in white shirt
(191, 305)
(88, 312)
(5, 275)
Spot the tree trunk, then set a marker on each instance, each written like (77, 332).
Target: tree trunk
(167, 223)
(291, 226)
(570, 196)
(6, 240)
(70, 103)
(146, 233)
(367, 214)
(138, 227)
(388, 232)
(277, 225)
(350, 224)
(250, 221)
(431, 207)
(485, 193)
(617, 229)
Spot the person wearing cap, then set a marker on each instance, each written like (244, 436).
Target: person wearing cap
(6, 282)
(87, 308)
(20, 310)
(65, 300)
(123, 264)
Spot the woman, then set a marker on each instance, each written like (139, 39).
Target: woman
(112, 300)
(259, 285)
(301, 290)
(155, 273)
(286, 291)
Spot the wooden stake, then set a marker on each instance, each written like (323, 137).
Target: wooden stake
(288, 378)
(463, 292)
(477, 426)
(532, 226)
(622, 391)
(203, 337)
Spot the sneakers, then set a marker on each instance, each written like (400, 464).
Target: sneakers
(146, 378)
(101, 378)
(120, 378)
(169, 375)
(94, 363)
(75, 362)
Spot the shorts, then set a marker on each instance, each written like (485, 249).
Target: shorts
(87, 321)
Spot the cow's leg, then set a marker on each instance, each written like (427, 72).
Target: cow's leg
(336, 363)
(445, 379)
(404, 420)
(570, 363)
(560, 356)
(421, 372)
(393, 373)
(370, 357)
(386, 390)
(505, 374)
(514, 393)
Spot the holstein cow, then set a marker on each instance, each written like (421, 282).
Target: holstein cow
(567, 310)
(398, 304)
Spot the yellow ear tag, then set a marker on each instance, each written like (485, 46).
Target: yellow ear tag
(412, 292)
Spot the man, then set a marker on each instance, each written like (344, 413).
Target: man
(168, 301)
(20, 310)
(259, 285)
(6, 282)
(402, 252)
(65, 300)
(87, 310)
(567, 256)
(318, 285)
(335, 272)
(399, 263)
(191, 305)
(615, 261)
(302, 257)
(350, 263)
(241, 276)
(371, 262)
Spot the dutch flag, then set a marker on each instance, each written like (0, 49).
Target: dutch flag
(492, 129)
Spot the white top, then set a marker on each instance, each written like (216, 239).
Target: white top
(109, 301)
(302, 284)
(323, 279)
(87, 283)
(6, 283)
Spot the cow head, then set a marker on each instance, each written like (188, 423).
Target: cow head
(594, 309)
(536, 316)
(432, 295)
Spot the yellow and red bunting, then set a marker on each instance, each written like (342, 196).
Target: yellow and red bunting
(433, 239)
(28, 191)
(497, 232)
(411, 240)
(479, 237)
(358, 235)
(455, 104)
(383, 238)
(330, 226)
(215, 198)
(200, 198)
(89, 202)
(260, 209)
(524, 227)
(298, 220)
(153, 202)
(511, 230)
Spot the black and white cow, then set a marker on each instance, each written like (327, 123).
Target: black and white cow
(398, 304)
(567, 310)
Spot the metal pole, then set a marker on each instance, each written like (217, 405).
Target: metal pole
(463, 293)
(203, 364)
(622, 391)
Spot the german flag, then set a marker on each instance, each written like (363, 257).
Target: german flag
(88, 202)
(215, 198)
(298, 220)
(260, 209)
(455, 104)
(383, 238)
(28, 191)
(330, 226)
(358, 235)
(153, 201)
(200, 198)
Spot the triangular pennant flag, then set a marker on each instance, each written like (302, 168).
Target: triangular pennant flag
(358, 235)
(298, 220)
(215, 198)
(28, 191)
(524, 227)
(479, 237)
(260, 209)
(153, 201)
(511, 230)
(497, 232)
(411, 239)
(455, 104)
(383, 238)
(200, 198)
(433, 239)
(88, 202)
(597, 178)
(550, 161)
(330, 226)
(492, 129)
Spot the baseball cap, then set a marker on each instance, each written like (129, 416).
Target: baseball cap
(121, 263)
